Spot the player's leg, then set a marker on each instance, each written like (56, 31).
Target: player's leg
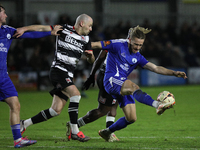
(58, 80)
(55, 109)
(74, 96)
(106, 100)
(110, 119)
(93, 115)
(113, 86)
(14, 105)
(10, 96)
(130, 88)
(130, 117)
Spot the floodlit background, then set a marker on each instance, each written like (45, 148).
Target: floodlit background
(173, 42)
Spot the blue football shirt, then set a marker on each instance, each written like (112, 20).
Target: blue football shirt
(120, 63)
(6, 33)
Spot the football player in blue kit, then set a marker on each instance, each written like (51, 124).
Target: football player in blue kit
(8, 92)
(123, 58)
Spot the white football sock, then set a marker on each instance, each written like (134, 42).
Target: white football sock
(155, 104)
(27, 122)
(110, 118)
(74, 128)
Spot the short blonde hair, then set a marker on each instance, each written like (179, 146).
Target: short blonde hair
(138, 32)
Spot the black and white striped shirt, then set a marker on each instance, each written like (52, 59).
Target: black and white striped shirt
(69, 49)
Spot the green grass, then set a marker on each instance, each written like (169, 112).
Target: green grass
(172, 130)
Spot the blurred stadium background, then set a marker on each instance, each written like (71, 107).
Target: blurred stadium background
(174, 41)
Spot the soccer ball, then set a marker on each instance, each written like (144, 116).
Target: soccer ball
(166, 97)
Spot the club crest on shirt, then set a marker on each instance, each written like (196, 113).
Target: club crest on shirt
(114, 101)
(134, 60)
(8, 36)
(68, 80)
(102, 100)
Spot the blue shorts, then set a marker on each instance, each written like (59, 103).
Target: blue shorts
(7, 89)
(113, 86)
(124, 100)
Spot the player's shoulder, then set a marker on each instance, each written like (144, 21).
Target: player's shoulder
(119, 41)
(67, 26)
(8, 27)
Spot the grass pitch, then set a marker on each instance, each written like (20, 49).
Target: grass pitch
(177, 128)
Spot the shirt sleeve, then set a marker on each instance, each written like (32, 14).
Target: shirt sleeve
(35, 34)
(143, 61)
(107, 45)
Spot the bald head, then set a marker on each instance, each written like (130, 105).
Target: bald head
(83, 24)
(82, 17)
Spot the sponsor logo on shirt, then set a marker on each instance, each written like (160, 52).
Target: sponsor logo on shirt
(73, 41)
(2, 48)
(124, 67)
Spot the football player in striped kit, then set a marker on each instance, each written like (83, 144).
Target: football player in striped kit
(72, 42)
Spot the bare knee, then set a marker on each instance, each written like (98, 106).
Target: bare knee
(112, 113)
(131, 119)
(13, 103)
(128, 88)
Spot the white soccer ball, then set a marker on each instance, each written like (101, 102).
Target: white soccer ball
(166, 97)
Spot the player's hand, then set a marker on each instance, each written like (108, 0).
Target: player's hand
(88, 53)
(90, 56)
(19, 32)
(180, 74)
(88, 82)
(56, 30)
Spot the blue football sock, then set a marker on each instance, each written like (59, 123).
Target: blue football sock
(143, 97)
(119, 124)
(16, 131)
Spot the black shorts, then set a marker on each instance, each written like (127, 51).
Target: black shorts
(60, 80)
(104, 98)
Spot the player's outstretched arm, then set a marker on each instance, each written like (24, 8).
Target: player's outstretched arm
(164, 71)
(40, 34)
(20, 31)
(96, 45)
